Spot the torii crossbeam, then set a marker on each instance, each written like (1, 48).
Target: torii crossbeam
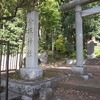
(72, 4)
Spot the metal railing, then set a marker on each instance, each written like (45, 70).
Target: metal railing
(8, 60)
(13, 57)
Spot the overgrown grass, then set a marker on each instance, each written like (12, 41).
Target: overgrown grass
(50, 74)
(55, 56)
(97, 51)
(46, 75)
(13, 75)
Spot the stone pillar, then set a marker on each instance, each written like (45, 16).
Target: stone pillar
(79, 42)
(32, 70)
(79, 36)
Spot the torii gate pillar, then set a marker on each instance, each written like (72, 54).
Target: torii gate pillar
(79, 36)
(79, 41)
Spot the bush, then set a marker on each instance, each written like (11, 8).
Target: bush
(97, 51)
(60, 44)
(55, 56)
(51, 56)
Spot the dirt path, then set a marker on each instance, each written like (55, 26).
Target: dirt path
(61, 93)
(69, 94)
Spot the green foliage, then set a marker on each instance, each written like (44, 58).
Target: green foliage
(85, 53)
(9, 8)
(72, 55)
(97, 51)
(68, 28)
(49, 21)
(54, 56)
(91, 24)
(60, 44)
(13, 30)
(91, 27)
(42, 46)
(54, 25)
(51, 57)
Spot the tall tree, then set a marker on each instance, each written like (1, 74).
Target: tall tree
(12, 30)
(49, 21)
(9, 8)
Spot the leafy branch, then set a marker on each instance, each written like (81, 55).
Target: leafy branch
(15, 12)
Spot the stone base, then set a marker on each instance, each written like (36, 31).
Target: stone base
(31, 73)
(91, 56)
(46, 94)
(79, 70)
(26, 98)
(30, 89)
(85, 77)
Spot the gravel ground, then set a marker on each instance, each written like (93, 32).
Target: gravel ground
(70, 94)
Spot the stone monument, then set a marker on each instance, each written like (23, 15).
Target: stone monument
(90, 49)
(44, 57)
(32, 70)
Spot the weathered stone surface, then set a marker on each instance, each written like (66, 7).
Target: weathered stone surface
(44, 57)
(79, 36)
(26, 98)
(92, 11)
(46, 94)
(11, 96)
(32, 70)
(73, 3)
(90, 49)
(79, 70)
(31, 73)
(30, 88)
(94, 61)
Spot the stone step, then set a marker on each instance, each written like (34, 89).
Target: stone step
(11, 96)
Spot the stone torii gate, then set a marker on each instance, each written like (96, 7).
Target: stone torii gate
(79, 28)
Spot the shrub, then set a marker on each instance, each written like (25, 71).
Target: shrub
(60, 44)
(97, 51)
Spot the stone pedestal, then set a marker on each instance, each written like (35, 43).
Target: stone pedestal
(46, 94)
(32, 70)
(91, 56)
(31, 73)
(79, 70)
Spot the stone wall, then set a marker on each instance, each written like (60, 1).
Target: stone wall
(28, 89)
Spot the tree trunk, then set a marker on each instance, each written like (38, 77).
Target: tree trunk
(21, 53)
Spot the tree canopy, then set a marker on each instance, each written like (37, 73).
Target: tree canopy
(9, 8)
(56, 28)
